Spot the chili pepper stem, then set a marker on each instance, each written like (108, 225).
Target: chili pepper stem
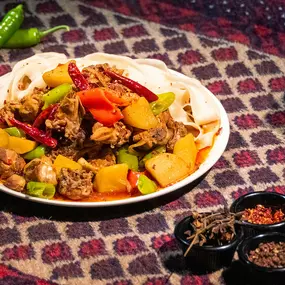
(54, 29)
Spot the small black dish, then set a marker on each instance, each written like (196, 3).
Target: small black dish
(263, 273)
(204, 259)
(267, 199)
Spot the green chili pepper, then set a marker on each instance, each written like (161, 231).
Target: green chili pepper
(38, 152)
(163, 103)
(40, 190)
(11, 23)
(15, 132)
(30, 37)
(154, 152)
(123, 156)
(56, 94)
(146, 185)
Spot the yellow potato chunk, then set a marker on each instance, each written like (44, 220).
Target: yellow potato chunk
(187, 150)
(167, 168)
(4, 138)
(64, 162)
(140, 115)
(21, 145)
(112, 179)
(57, 76)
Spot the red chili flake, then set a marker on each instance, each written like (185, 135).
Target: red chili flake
(263, 215)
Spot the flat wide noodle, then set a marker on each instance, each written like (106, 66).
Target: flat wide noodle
(149, 72)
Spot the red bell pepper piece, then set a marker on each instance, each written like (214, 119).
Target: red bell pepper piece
(100, 107)
(133, 177)
(133, 85)
(77, 77)
(35, 133)
(44, 115)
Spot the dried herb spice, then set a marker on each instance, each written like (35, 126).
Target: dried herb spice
(263, 215)
(213, 229)
(270, 254)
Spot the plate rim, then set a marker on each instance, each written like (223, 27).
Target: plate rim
(221, 140)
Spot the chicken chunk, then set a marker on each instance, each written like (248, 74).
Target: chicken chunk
(68, 117)
(75, 184)
(8, 111)
(115, 136)
(159, 135)
(40, 170)
(30, 105)
(104, 159)
(15, 182)
(10, 163)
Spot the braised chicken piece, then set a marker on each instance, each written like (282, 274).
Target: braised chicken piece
(115, 136)
(95, 75)
(15, 182)
(30, 105)
(75, 184)
(68, 151)
(68, 117)
(153, 137)
(105, 158)
(10, 163)
(178, 130)
(123, 92)
(40, 170)
(9, 110)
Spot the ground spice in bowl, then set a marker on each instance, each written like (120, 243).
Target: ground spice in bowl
(262, 215)
(269, 254)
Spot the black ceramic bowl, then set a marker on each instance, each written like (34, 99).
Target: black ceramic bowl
(267, 199)
(205, 258)
(252, 243)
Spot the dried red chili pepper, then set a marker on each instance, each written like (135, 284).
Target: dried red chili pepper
(44, 115)
(77, 77)
(133, 85)
(263, 215)
(35, 133)
(51, 117)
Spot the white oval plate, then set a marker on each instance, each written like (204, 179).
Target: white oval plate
(213, 156)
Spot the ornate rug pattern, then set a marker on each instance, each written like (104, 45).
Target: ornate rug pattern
(135, 244)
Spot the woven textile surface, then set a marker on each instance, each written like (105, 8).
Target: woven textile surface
(240, 61)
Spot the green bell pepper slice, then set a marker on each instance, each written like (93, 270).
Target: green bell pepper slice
(56, 94)
(15, 132)
(146, 185)
(123, 156)
(38, 152)
(163, 103)
(40, 190)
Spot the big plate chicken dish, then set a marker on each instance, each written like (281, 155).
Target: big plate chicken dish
(100, 128)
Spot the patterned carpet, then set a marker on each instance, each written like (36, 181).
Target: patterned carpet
(243, 67)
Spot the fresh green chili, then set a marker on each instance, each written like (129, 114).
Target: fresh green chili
(163, 103)
(11, 23)
(30, 37)
(38, 152)
(40, 189)
(146, 185)
(15, 132)
(123, 156)
(56, 94)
